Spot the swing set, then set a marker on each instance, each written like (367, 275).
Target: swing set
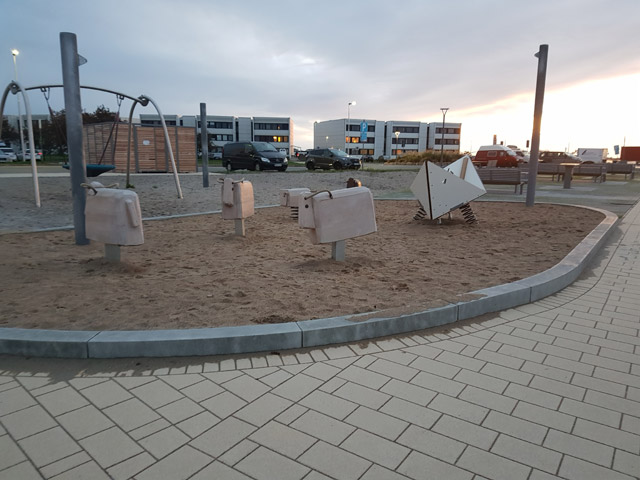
(92, 170)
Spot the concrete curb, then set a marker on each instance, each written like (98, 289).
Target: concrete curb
(308, 333)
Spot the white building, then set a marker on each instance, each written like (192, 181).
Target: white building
(364, 137)
(225, 129)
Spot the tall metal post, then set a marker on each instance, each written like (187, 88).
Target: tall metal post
(15, 53)
(444, 114)
(204, 143)
(537, 121)
(73, 110)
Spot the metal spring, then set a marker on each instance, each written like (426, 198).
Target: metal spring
(420, 214)
(468, 214)
(294, 213)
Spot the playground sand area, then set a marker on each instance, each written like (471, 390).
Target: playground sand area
(193, 272)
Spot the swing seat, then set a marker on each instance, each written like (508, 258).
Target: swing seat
(94, 169)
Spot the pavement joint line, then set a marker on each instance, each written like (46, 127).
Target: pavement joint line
(306, 333)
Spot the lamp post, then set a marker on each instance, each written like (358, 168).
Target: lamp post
(348, 136)
(15, 53)
(444, 114)
(397, 134)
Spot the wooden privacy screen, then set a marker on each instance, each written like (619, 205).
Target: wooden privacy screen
(148, 149)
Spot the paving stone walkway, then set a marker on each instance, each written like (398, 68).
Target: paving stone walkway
(546, 390)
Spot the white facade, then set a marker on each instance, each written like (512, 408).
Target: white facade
(452, 132)
(225, 129)
(381, 138)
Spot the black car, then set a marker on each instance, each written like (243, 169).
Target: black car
(557, 157)
(253, 156)
(326, 158)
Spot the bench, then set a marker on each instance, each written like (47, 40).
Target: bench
(623, 168)
(598, 172)
(503, 176)
(553, 169)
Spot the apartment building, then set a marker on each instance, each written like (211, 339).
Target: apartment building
(225, 129)
(374, 138)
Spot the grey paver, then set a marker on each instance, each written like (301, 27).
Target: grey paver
(84, 422)
(608, 435)
(579, 447)
(62, 401)
(10, 453)
(437, 383)
(377, 449)
(627, 463)
(419, 466)
(376, 422)
(22, 471)
(110, 447)
(334, 462)
(544, 416)
(28, 421)
(264, 464)
(362, 395)
(223, 436)
(131, 414)
(331, 405)
(576, 469)
(106, 394)
(323, 427)
(432, 443)
(217, 470)
(492, 466)
(49, 446)
(282, 439)
(527, 453)
(162, 443)
(263, 409)
(459, 408)
(515, 427)
(408, 391)
(411, 412)
(465, 432)
(224, 404)
(130, 467)
(180, 465)
(156, 394)
(488, 399)
(590, 412)
(297, 387)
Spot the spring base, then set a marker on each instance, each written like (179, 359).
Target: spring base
(294, 213)
(421, 214)
(468, 214)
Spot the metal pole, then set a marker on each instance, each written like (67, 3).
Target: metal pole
(537, 121)
(444, 114)
(73, 110)
(20, 124)
(204, 142)
(346, 146)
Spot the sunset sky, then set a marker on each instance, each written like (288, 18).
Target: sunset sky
(307, 60)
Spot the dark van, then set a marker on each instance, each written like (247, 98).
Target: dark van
(253, 156)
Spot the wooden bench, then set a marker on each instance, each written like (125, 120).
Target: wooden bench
(598, 172)
(503, 176)
(623, 168)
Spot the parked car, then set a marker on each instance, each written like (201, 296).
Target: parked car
(301, 154)
(496, 156)
(253, 156)
(7, 154)
(326, 158)
(558, 157)
(27, 155)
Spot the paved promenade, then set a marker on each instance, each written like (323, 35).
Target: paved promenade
(546, 390)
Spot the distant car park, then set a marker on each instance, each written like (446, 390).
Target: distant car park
(7, 154)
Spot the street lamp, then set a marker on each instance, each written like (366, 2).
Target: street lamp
(444, 114)
(397, 134)
(15, 53)
(326, 141)
(348, 136)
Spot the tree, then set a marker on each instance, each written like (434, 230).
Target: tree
(9, 134)
(101, 115)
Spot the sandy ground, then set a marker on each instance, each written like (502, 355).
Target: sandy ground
(194, 272)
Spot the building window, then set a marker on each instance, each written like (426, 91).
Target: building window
(447, 141)
(271, 126)
(271, 138)
(406, 129)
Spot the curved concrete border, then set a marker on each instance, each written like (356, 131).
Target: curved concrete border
(308, 333)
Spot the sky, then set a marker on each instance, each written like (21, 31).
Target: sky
(307, 60)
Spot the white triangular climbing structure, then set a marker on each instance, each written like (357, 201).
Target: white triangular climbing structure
(440, 191)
